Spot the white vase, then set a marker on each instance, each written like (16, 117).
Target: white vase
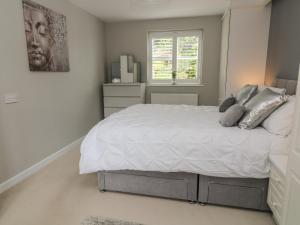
(173, 81)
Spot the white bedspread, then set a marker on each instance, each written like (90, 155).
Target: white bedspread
(173, 138)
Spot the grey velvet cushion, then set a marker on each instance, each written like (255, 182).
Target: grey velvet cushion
(232, 115)
(260, 107)
(246, 93)
(227, 103)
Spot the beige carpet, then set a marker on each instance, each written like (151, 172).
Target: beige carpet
(57, 195)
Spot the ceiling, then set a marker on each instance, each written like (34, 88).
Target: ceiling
(123, 10)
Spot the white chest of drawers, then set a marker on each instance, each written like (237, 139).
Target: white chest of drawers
(119, 96)
(277, 186)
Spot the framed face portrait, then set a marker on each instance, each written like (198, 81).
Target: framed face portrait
(46, 38)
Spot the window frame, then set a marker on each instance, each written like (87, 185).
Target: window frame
(175, 34)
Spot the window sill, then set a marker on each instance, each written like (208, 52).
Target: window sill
(174, 85)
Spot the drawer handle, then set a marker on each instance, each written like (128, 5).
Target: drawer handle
(275, 204)
(277, 180)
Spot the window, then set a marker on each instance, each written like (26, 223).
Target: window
(179, 51)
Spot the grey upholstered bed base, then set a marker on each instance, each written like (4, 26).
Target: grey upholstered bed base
(236, 192)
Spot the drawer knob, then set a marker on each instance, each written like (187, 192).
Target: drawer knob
(275, 204)
(277, 180)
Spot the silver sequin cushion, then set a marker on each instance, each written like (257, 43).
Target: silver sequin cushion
(246, 93)
(260, 107)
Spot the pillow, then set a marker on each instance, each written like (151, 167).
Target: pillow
(246, 93)
(260, 107)
(232, 115)
(281, 121)
(275, 89)
(227, 103)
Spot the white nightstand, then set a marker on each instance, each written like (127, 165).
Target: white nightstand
(122, 95)
(277, 186)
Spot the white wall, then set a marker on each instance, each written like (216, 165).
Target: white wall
(54, 109)
(131, 38)
(248, 45)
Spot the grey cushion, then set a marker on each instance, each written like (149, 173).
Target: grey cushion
(246, 93)
(232, 115)
(227, 103)
(260, 107)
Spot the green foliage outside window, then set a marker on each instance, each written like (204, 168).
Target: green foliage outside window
(187, 57)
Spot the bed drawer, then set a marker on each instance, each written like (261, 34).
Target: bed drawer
(181, 186)
(236, 192)
(248, 197)
(120, 102)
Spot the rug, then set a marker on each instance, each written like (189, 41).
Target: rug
(92, 220)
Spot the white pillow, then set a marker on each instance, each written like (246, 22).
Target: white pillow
(275, 89)
(280, 122)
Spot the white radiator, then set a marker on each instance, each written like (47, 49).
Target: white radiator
(174, 99)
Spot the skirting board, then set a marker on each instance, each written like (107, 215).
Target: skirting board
(38, 166)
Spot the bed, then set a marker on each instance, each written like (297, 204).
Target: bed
(181, 152)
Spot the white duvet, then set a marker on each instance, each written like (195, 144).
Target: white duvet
(177, 138)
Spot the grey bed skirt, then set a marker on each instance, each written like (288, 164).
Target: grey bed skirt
(236, 192)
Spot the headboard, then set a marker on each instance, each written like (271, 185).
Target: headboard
(289, 85)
